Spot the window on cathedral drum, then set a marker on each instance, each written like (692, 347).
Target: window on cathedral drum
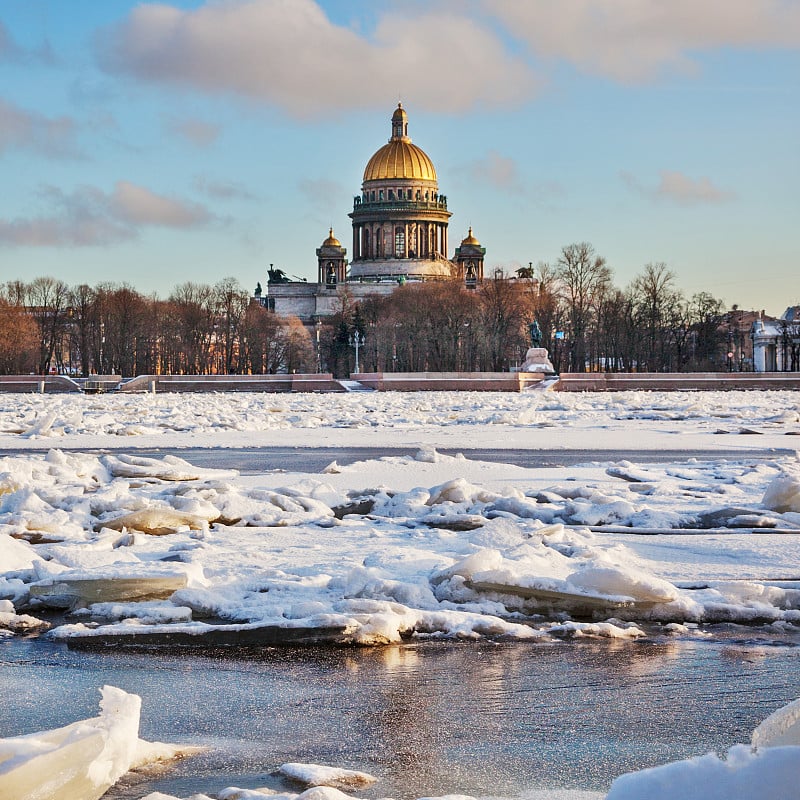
(399, 242)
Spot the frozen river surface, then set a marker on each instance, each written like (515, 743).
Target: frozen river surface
(559, 494)
(431, 719)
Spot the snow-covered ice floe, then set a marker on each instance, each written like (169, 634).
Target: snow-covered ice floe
(381, 551)
(83, 760)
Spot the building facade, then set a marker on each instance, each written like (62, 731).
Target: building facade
(400, 234)
(776, 342)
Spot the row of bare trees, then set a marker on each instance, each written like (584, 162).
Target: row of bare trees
(47, 326)
(586, 322)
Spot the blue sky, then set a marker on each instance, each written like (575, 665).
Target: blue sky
(156, 144)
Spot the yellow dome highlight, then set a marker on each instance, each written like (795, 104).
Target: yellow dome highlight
(331, 241)
(399, 158)
(471, 239)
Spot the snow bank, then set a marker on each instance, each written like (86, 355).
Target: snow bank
(767, 770)
(779, 729)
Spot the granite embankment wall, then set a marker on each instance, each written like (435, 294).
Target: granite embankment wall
(448, 381)
(313, 382)
(38, 383)
(674, 381)
(409, 382)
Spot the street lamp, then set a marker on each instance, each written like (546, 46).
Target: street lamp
(317, 329)
(357, 340)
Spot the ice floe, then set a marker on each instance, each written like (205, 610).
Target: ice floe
(82, 760)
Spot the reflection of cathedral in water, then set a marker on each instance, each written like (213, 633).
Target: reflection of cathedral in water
(400, 235)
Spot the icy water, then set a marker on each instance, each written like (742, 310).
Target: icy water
(427, 719)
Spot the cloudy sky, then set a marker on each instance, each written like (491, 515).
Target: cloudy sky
(158, 143)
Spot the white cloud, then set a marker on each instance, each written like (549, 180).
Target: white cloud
(222, 190)
(679, 188)
(287, 52)
(21, 129)
(496, 170)
(637, 40)
(91, 217)
(136, 205)
(196, 131)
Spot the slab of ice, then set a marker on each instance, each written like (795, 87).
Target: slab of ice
(779, 729)
(783, 494)
(157, 521)
(74, 589)
(82, 760)
(318, 775)
(19, 623)
(168, 468)
(769, 774)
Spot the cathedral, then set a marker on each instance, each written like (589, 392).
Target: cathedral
(400, 235)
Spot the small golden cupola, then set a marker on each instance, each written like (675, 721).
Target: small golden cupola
(331, 261)
(469, 258)
(332, 241)
(470, 239)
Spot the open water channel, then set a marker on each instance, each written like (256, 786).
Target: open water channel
(429, 718)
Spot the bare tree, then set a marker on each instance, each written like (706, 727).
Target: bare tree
(585, 277)
(504, 313)
(83, 307)
(655, 295)
(192, 332)
(18, 340)
(231, 305)
(47, 300)
(123, 330)
(709, 336)
(299, 351)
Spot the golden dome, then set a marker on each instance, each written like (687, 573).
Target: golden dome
(331, 241)
(399, 158)
(471, 239)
